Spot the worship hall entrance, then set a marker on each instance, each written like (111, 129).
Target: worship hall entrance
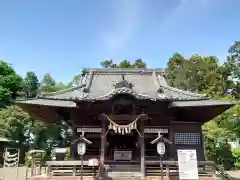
(123, 147)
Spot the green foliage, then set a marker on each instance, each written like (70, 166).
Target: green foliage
(234, 59)
(31, 84)
(68, 156)
(204, 74)
(224, 155)
(10, 83)
(236, 154)
(123, 64)
(14, 124)
(48, 84)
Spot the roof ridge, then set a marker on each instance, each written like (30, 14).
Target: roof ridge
(62, 91)
(88, 81)
(82, 84)
(183, 91)
(125, 70)
(156, 80)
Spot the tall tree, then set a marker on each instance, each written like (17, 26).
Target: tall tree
(10, 83)
(233, 66)
(234, 59)
(47, 84)
(31, 84)
(204, 74)
(175, 70)
(201, 74)
(139, 63)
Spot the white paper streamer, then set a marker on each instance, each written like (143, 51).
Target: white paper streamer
(122, 129)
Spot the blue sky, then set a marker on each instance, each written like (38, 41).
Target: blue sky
(62, 36)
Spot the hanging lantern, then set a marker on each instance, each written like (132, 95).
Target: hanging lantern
(161, 148)
(81, 147)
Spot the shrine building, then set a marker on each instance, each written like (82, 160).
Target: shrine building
(122, 110)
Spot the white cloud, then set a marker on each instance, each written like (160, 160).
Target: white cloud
(127, 19)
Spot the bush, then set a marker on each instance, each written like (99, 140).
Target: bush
(236, 154)
(67, 156)
(225, 156)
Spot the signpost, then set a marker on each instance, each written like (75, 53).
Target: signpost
(187, 163)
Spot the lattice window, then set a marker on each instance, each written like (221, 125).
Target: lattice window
(187, 138)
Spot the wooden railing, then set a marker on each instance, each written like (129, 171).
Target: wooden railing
(206, 169)
(170, 168)
(70, 168)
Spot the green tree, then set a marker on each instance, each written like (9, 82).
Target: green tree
(232, 65)
(234, 59)
(204, 74)
(197, 74)
(11, 84)
(216, 144)
(47, 84)
(31, 84)
(76, 79)
(123, 64)
(15, 124)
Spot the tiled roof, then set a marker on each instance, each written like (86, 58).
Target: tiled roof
(103, 84)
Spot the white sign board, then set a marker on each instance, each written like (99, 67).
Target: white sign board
(60, 150)
(123, 155)
(187, 164)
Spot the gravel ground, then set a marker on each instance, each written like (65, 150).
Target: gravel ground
(12, 174)
(235, 174)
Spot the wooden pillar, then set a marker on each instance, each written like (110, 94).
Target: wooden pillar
(142, 148)
(103, 145)
(73, 147)
(202, 157)
(171, 146)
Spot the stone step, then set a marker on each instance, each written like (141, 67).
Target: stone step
(124, 174)
(121, 168)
